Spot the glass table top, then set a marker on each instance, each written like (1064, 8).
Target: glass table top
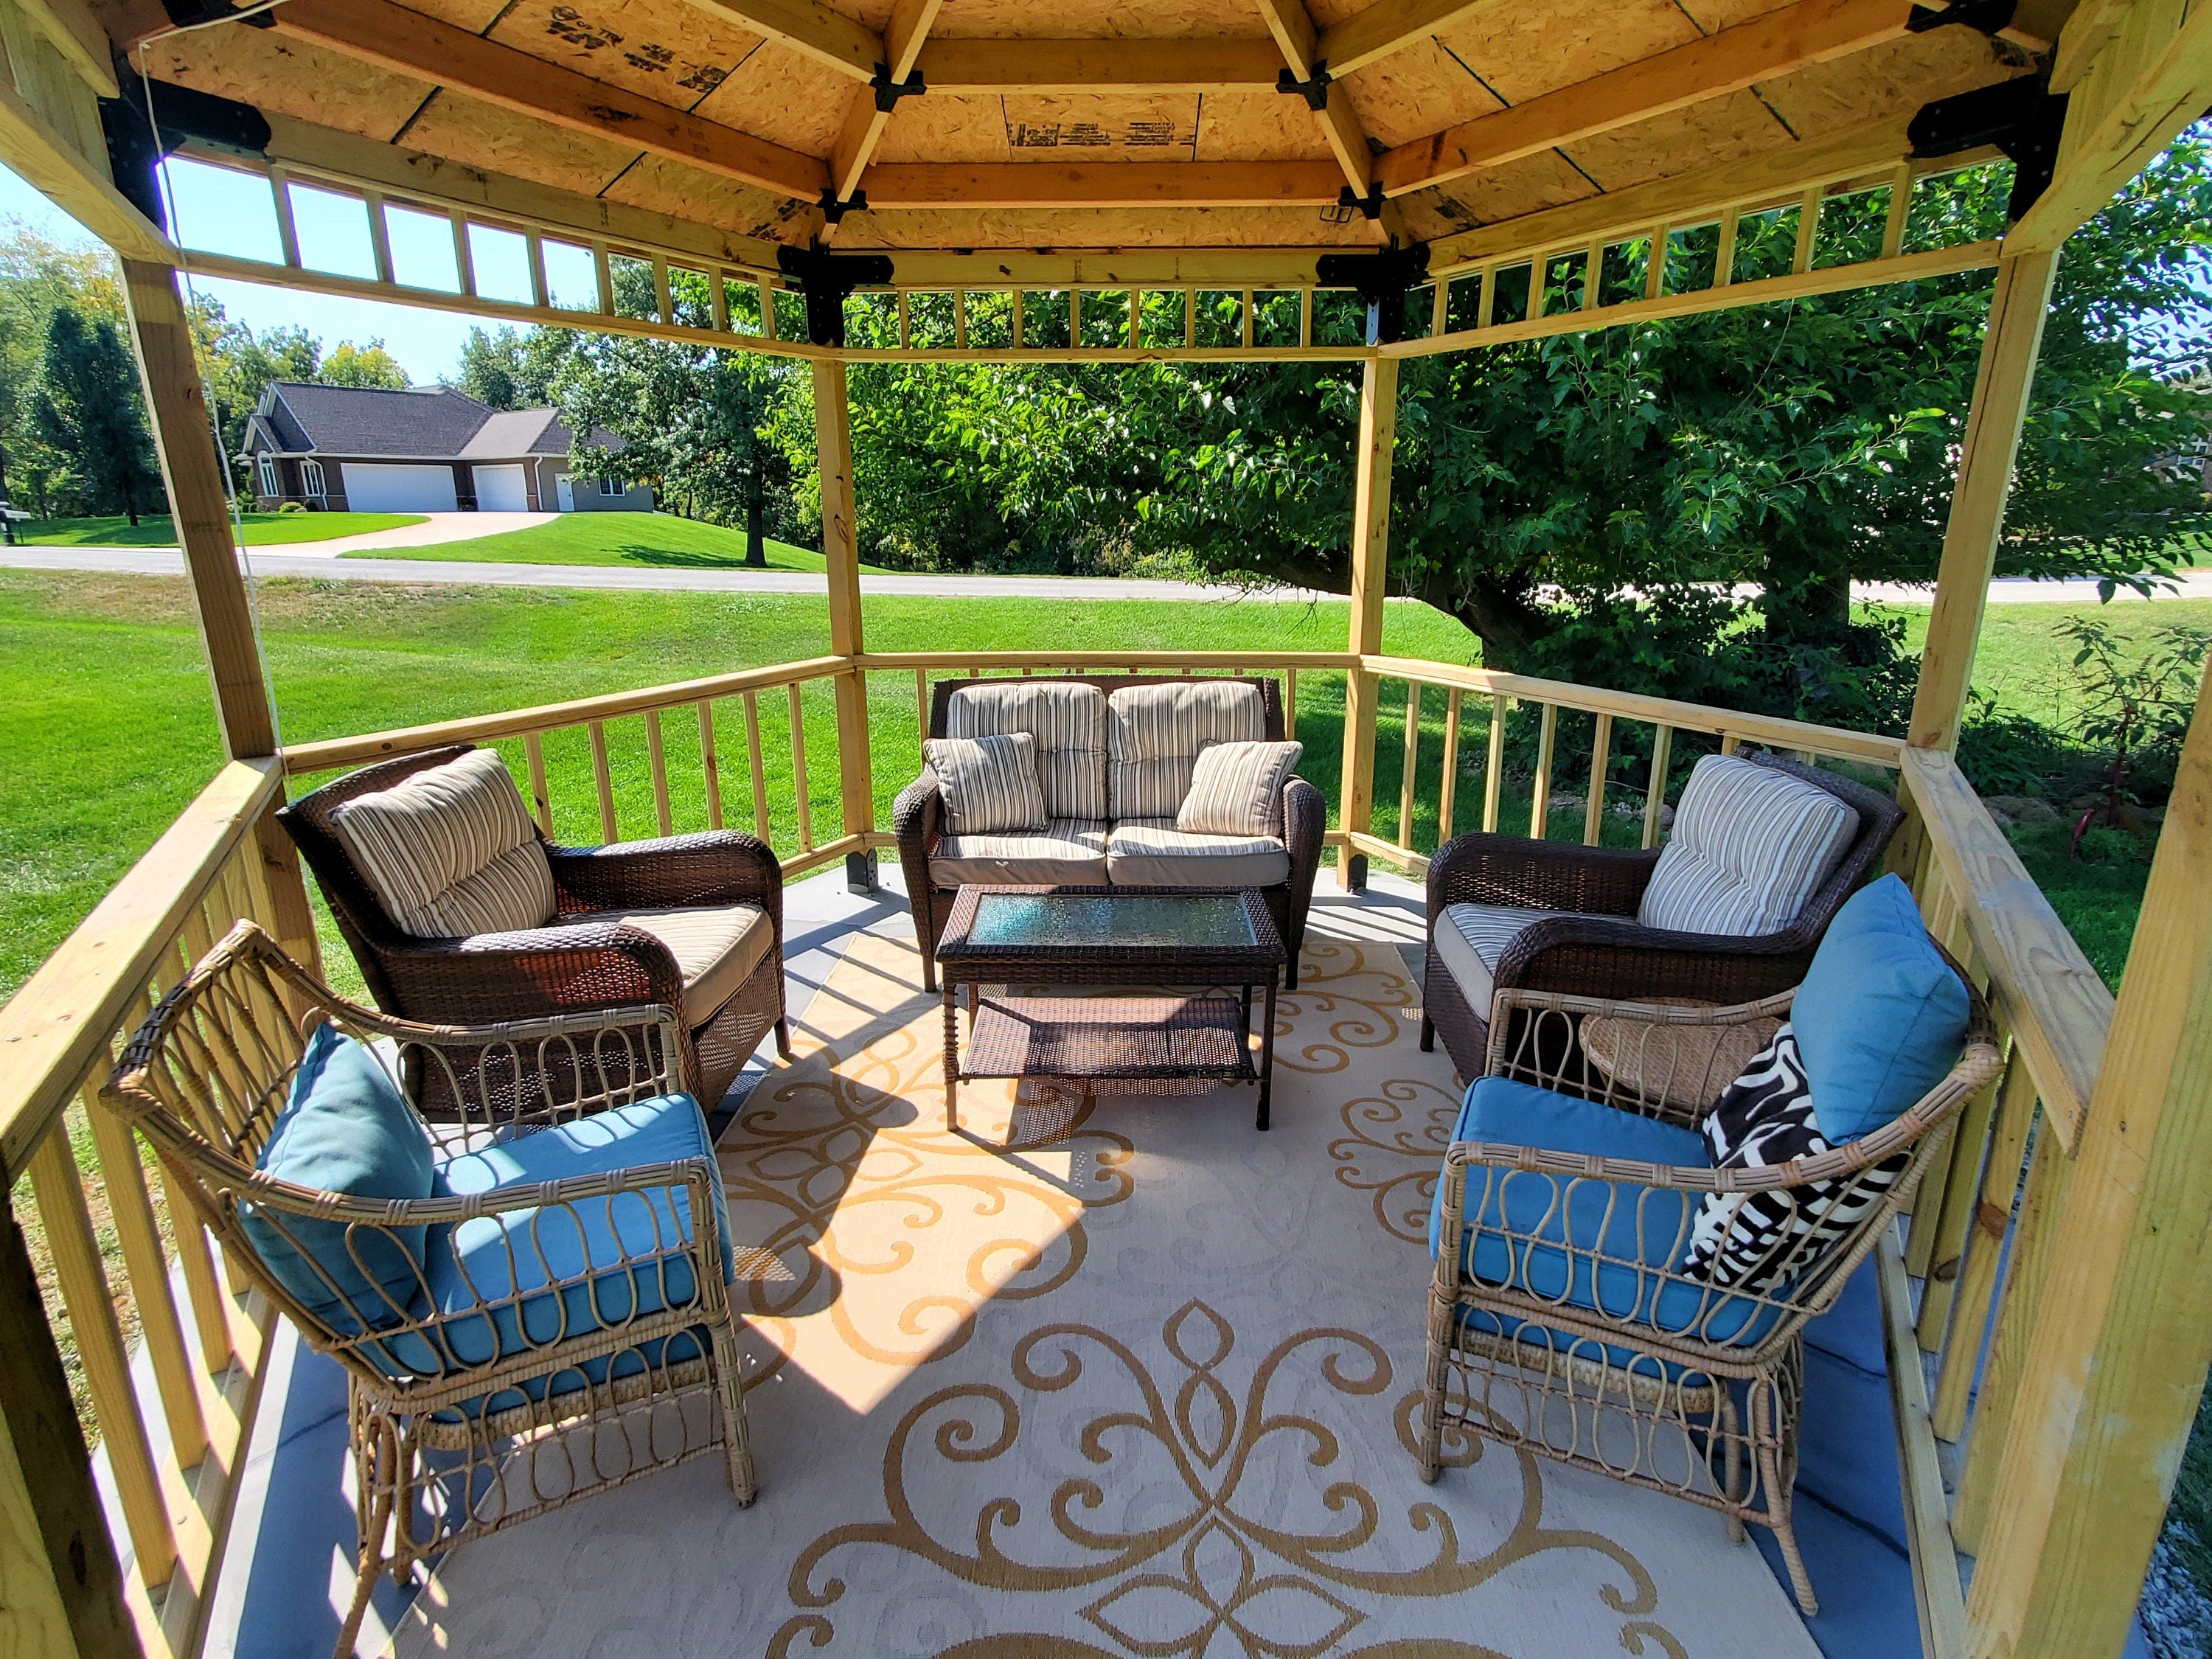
(1215, 920)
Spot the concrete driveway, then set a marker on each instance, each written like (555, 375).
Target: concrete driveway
(435, 527)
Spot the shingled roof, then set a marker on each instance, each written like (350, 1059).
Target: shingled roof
(432, 424)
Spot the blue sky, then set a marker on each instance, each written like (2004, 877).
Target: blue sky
(212, 212)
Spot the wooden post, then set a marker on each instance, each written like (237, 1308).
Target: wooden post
(2017, 307)
(63, 1555)
(2119, 1348)
(841, 554)
(1370, 554)
(199, 505)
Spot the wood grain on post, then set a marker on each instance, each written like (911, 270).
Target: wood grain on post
(1371, 553)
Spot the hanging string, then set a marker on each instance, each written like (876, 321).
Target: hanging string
(167, 188)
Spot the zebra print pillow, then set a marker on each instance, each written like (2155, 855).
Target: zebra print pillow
(1755, 1241)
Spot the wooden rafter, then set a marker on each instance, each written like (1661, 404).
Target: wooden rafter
(1199, 65)
(378, 32)
(1109, 183)
(1809, 31)
(1299, 41)
(1367, 36)
(815, 31)
(904, 36)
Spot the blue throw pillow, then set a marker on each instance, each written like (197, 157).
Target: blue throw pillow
(1881, 1016)
(346, 1129)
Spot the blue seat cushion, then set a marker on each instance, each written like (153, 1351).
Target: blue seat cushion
(1519, 1231)
(345, 1129)
(615, 1259)
(1881, 1016)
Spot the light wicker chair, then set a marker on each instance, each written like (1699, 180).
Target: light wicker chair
(446, 1450)
(1701, 1397)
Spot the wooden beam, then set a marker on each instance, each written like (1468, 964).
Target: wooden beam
(2110, 138)
(78, 36)
(1106, 183)
(2010, 345)
(814, 31)
(865, 121)
(65, 1539)
(1299, 41)
(394, 37)
(1370, 556)
(841, 557)
(982, 67)
(1809, 31)
(200, 506)
(2086, 33)
(1367, 36)
(2117, 1361)
(35, 148)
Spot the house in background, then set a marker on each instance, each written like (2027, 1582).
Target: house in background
(362, 449)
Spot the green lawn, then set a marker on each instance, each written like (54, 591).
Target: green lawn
(620, 539)
(154, 530)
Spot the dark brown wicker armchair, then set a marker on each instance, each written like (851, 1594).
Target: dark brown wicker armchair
(589, 959)
(1587, 951)
(917, 820)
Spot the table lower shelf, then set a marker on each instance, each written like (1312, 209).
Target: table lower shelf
(1127, 1038)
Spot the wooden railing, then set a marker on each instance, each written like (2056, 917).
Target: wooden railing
(174, 1452)
(616, 766)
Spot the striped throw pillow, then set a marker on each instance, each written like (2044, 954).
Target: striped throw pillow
(450, 851)
(1068, 722)
(1751, 844)
(989, 784)
(1154, 733)
(1234, 785)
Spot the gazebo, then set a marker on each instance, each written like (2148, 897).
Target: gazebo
(843, 181)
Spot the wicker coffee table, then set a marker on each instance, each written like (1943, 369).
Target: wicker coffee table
(1178, 937)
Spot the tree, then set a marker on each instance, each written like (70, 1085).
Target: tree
(369, 365)
(240, 366)
(37, 278)
(87, 409)
(513, 369)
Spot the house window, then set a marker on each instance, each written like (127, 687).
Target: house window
(613, 487)
(312, 473)
(271, 486)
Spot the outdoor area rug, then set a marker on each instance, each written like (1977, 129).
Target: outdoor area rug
(1103, 1380)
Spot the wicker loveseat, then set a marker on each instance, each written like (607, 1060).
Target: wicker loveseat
(692, 923)
(1555, 916)
(1102, 743)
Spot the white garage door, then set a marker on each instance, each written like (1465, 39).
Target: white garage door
(501, 489)
(381, 489)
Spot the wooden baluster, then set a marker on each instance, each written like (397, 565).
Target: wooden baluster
(604, 779)
(1984, 1255)
(760, 778)
(1809, 228)
(533, 749)
(1900, 204)
(1655, 265)
(146, 1264)
(99, 1350)
(195, 1248)
(1947, 1225)
(1730, 743)
(960, 318)
(799, 773)
(1449, 788)
(657, 763)
(1540, 799)
(922, 705)
(1654, 792)
(1493, 779)
(1600, 764)
(2048, 1173)
(1724, 256)
(1411, 763)
(1136, 319)
(1290, 703)
(710, 763)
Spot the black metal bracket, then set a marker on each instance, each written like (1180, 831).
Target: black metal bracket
(1383, 279)
(1370, 206)
(889, 92)
(1987, 15)
(1315, 92)
(835, 211)
(136, 150)
(2023, 118)
(826, 279)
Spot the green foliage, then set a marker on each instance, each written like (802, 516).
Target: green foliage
(87, 411)
(513, 368)
(2135, 709)
(370, 366)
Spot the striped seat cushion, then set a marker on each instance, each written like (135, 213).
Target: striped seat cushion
(1236, 788)
(1154, 852)
(1068, 723)
(450, 851)
(1470, 940)
(1065, 852)
(1751, 846)
(989, 784)
(1154, 734)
